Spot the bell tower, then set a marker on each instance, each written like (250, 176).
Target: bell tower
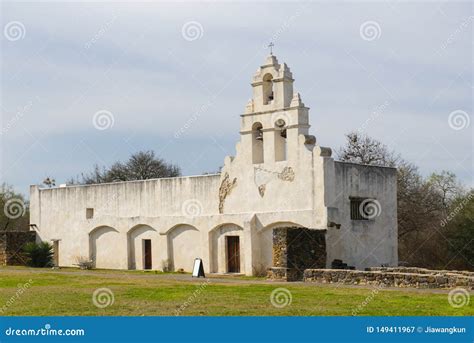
(272, 86)
(274, 117)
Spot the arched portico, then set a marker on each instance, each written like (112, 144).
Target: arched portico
(103, 242)
(142, 244)
(226, 246)
(184, 245)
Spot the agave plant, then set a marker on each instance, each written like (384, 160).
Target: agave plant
(39, 254)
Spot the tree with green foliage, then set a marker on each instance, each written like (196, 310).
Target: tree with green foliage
(460, 231)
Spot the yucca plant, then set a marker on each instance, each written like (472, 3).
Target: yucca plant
(39, 254)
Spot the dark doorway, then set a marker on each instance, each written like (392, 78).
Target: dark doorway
(147, 253)
(233, 254)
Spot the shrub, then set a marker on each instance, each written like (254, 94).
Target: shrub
(259, 270)
(39, 254)
(166, 265)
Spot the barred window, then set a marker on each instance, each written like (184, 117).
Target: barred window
(357, 208)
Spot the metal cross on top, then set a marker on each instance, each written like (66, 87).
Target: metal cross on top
(271, 45)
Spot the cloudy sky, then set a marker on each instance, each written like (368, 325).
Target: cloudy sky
(87, 83)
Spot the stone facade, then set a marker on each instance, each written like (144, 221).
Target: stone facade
(11, 247)
(393, 277)
(294, 250)
(279, 177)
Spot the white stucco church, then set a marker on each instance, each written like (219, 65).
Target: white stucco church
(279, 177)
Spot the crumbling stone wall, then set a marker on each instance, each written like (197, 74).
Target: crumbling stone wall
(417, 270)
(296, 249)
(392, 277)
(11, 247)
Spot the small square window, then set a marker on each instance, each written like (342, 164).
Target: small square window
(358, 208)
(89, 213)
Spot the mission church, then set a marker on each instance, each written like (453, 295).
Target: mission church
(281, 186)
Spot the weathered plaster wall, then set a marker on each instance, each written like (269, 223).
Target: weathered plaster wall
(120, 209)
(364, 243)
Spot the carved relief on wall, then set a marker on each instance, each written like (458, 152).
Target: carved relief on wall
(264, 176)
(287, 174)
(225, 189)
(261, 189)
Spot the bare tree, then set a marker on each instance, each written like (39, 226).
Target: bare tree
(420, 202)
(49, 182)
(365, 150)
(142, 165)
(14, 212)
(447, 186)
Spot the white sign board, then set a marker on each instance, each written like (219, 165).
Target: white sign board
(198, 269)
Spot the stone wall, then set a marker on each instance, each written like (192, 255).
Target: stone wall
(296, 249)
(11, 247)
(392, 277)
(417, 270)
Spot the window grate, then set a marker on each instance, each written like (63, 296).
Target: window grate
(356, 209)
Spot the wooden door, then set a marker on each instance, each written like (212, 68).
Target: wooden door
(147, 253)
(233, 254)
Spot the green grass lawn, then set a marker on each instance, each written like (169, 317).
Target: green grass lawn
(63, 293)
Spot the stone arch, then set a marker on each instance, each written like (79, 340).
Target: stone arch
(281, 223)
(103, 242)
(184, 245)
(217, 246)
(135, 250)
